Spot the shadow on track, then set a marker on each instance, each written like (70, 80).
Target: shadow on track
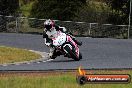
(62, 61)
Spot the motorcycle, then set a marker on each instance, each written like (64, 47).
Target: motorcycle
(64, 44)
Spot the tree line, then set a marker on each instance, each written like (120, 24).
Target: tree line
(75, 10)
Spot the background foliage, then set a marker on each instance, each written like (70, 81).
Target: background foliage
(102, 11)
(90, 11)
(56, 9)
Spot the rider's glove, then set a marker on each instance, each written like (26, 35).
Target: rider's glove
(47, 44)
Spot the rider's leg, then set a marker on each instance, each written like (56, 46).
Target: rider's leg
(51, 52)
(54, 53)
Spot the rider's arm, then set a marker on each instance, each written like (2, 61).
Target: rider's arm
(63, 29)
(45, 35)
(58, 28)
(46, 39)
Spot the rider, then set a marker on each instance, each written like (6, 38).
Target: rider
(49, 28)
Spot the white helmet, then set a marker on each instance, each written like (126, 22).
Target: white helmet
(49, 24)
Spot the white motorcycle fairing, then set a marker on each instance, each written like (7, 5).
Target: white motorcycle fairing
(66, 45)
(60, 39)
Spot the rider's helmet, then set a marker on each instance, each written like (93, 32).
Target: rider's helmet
(49, 25)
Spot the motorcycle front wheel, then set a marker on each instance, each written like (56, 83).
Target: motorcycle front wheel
(72, 54)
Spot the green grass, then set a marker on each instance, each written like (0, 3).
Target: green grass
(53, 80)
(11, 55)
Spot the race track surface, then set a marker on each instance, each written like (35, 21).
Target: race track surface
(98, 53)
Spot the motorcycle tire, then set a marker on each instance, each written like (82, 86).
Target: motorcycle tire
(72, 54)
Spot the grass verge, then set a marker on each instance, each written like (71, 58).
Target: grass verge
(11, 55)
(56, 80)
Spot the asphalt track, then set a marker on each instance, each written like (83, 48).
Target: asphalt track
(98, 53)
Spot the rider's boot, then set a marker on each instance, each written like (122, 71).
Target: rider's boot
(55, 53)
(51, 54)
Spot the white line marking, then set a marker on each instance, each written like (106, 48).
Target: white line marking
(17, 64)
(43, 61)
(5, 65)
(38, 62)
(28, 63)
(87, 37)
(49, 60)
